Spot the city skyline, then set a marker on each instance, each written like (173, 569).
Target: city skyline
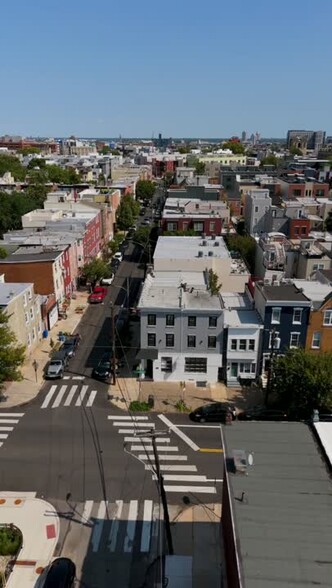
(106, 71)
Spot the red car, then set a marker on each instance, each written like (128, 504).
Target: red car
(98, 295)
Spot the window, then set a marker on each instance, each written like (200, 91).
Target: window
(151, 320)
(242, 345)
(29, 294)
(31, 313)
(318, 266)
(169, 340)
(26, 317)
(198, 227)
(276, 312)
(212, 226)
(172, 226)
(234, 344)
(195, 364)
(315, 343)
(169, 320)
(297, 315)
(212, 322)
(166, 364)
(29, 340)
(294, 340)
(39, 328)
(303, 230)
(24, 300)
(151, 339)
(256, 208)
(191, 321)
(191, 341)
(33, 334)
(245, 368)
(212, 342)
(251, 345)
(327, 318)
(273, 336)
(296, 192)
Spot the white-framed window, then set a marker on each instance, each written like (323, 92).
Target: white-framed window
(30, 294)
(315, 343)
(34, 334)
(297, 316)
(32, 314)
(213, 322)
(274, 335)
(172, 226)
(24, 299)
(276, 314)
(243, 345)
(247, 368)
(198, 227)
(251, 345)
(318, 266)
(256, 208)
(29, 340)
(294, 340)
(26, 316)
(234, 344)
(327, 321)
(166, 364)
(39, 328)
(195, 364)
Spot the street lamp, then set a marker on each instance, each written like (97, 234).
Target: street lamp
(275, 345)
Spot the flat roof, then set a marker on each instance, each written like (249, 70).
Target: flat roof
(315, 291)
(31, 257)
(282, 506)
(284, 292)
(10, 290)
(242, 318)
(188, 248)
(324, 432)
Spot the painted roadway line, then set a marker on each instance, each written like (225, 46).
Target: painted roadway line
(9, 421)
(198, 427)
(11, 414)
(146, 527)
(150, 448)
(98, 526)
(78, 378)
(6, 428)
(71, 395)
(146, 439)
(208, 450)
(192, 489)
(132, 431)
(127, 418)
(3, 435)
(131, 526)
(177, 431)
(59, 397)
(126, 424)
(184, 478)
(91, 398)
(81, 395)
(215, 480)
(150, 457)
(115, 525)
(48, 396)
(175, 468)
(87, 512)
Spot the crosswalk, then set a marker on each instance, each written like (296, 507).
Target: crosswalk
(178, 475)
(120, 527)
(8, 420)
(69, 395)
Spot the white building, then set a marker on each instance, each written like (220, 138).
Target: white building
(257, 204)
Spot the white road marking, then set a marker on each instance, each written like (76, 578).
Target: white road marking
(178, 468)
(127, 418)
(198, 427)
(9, 421)
(6, 428)
(131, 526)
(150, 457)
(70, 395)
(127, 424)
(81, 395)
(150, 448)
(132, 431)
(98, 526)
(215, 480)
(91, 398)
(146, 439)
(59, 397)
(179, 478)
(192, 489)
(156, 522)
(48, 397)
(1, 444)
(66, 378)
(11, 414)
(146, 527)
(115, 525)
(87, 511)
(177, 431)
(4, 436)
(78, 378)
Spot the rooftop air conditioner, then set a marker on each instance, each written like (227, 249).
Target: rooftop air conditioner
(200, 254)
(210, 254)
(204, 243)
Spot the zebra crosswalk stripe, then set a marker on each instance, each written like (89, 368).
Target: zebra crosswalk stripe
(59, 397)
(115, 525)
(48, 397)
(98, 526)
(81, 395)
(146, 528)
(91, 398)
(87, 512)
(131, 526)
(70, 395)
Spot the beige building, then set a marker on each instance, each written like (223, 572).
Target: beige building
(22, 305)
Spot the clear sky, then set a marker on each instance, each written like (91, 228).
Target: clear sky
(179, 67)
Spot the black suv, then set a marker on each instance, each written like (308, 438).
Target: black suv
(263, 414)
(216, 412)
(103, 370)
(61, 574)
(70, 345)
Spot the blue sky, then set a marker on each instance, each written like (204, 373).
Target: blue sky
(209, 69)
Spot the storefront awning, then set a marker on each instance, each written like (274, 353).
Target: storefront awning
(147, 354)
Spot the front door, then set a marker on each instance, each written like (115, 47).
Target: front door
(234, 370)
(149, 369)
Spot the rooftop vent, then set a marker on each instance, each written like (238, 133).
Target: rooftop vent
(216, 244)
(213, 237)
(204, 243)
(200, 254)
(210, 254)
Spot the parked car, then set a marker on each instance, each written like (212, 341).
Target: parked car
(263, 414)
(98, 295)
(118, 255)
(107, 281)
(215, 412)
(55, 369)
(146, 222)
(114, 264)
(70, 345)
(61, 574)
(103, 370)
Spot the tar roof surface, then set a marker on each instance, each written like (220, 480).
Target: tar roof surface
(284, 523)
(283, 292)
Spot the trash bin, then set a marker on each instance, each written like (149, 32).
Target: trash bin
(151, 401)
(45, 334)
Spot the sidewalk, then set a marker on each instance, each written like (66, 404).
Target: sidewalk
(40, 527)
(17, 393)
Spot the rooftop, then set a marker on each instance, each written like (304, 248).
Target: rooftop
(283, 522)
(315, 291)
(281, 293)
(242, 318)
(9, 291)
(188, 248)
(31, 257)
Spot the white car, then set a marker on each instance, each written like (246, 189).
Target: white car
(118, 255)
(107, 281)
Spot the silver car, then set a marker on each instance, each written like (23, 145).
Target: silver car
(55, 369)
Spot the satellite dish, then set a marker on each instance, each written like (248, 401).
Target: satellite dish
(250, 459)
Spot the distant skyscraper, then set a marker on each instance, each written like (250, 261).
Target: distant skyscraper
(244, 136)
(312, 140)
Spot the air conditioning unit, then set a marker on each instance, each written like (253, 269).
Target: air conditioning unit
(204, 243)
(210, 254)
(216, 244)
(200, 254)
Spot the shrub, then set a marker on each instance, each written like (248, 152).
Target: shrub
(137, 406)
(182, 407)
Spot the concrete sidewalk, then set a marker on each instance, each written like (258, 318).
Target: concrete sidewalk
(40, 526)
(17, 393)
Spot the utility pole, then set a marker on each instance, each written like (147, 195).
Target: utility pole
(113, 358)
(160, 480)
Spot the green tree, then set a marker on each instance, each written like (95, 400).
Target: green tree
(124, 216)
(270, 160)
(31, 150)
(213, 283)
(235, 147)
(199, 167)
(295, 150)
(302, 380)
(95, 270)
(105, 150)
(142, 236)
(3, 253)
(9, 163)
(328, 222)
(184, 149)
(115, 243)
(245, 245)
(11, 353)
(145, 189)
(101, 180)
(36, 162)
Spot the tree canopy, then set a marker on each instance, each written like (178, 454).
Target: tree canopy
(14, 205)
(145, 189)
(127, 212)
(95, 270)
(11, 353)
(199, 167)
(328, 222)
(10, 163)
(245, 245)
(302, 380)
(235, 147)
(270, 160)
